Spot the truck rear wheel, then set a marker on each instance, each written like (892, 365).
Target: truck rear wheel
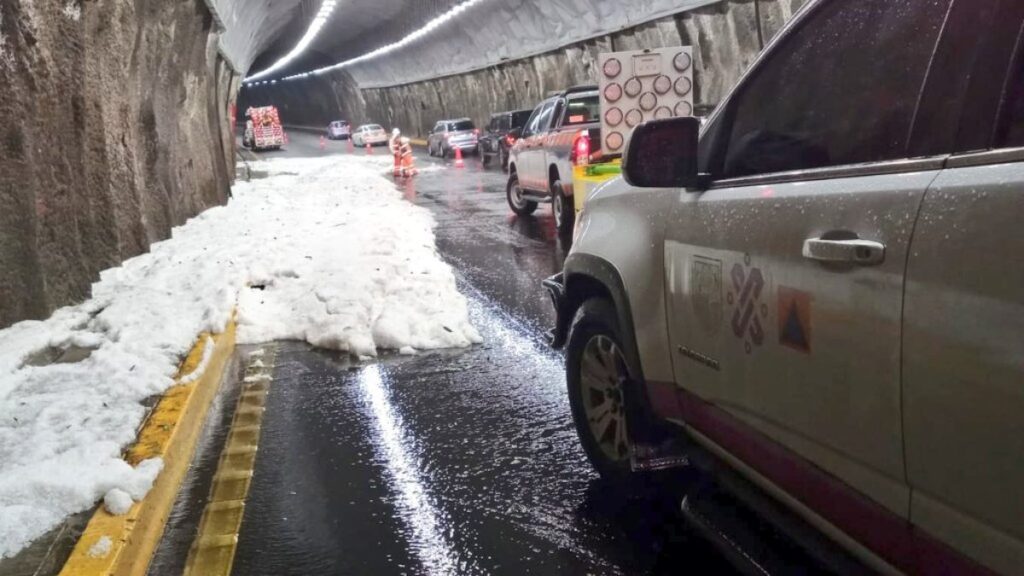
(516, 201)
(563, 208)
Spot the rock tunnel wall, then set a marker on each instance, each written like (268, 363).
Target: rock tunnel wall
(727, 36)
(114, 130)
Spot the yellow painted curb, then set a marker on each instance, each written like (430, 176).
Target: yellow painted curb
(213, 550)
(417, 142)
(171, 432)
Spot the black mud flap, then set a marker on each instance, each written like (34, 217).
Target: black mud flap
(667, 455)
(555, 286)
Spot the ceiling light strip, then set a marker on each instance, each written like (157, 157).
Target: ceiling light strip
(384, 50)
(314, 28)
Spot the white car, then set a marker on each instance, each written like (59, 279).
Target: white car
(826, 293)
(372, 134)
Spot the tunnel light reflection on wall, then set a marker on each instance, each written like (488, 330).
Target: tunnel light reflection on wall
(314, 28)
(422, 32)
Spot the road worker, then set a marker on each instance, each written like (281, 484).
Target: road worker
(396, 150)
(408, 162)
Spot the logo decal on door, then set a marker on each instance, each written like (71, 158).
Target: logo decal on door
(795, 319)
(745, 300)
(706, 291)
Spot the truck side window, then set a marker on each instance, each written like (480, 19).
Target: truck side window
(533, 123)
(842, 89)
(544, 118)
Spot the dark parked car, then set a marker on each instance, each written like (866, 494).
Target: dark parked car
(502, 132)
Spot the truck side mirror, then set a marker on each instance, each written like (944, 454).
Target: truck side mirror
(663, 154)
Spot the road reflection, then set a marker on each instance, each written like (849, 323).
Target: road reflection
(415, 506)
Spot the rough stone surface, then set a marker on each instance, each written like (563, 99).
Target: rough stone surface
(727, 37)
(114, 130)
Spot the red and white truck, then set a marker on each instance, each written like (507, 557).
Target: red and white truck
(263, 129)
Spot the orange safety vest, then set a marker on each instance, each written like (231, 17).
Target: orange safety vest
(408, 161)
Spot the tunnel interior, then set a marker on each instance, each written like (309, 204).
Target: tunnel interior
(139, 102)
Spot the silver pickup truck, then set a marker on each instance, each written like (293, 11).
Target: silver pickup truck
(540, 165)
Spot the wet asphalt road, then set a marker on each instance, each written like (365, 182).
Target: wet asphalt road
(450, 462)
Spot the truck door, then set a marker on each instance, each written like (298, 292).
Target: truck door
(785, 278)
(964, 321)
(531, 158)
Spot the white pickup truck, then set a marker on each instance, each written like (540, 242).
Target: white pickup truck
(542, 160)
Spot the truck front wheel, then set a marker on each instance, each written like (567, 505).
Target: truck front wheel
(514, 193)
(598, 377)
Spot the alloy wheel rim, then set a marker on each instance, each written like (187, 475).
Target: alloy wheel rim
(558, 209)
(517, 195)
(602, 377)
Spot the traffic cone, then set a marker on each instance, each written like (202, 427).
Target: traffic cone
(351, 146)
(458, 158)
(323, 143)
(369, 149)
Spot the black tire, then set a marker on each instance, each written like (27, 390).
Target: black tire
(595, 328)
(503, 158)
(445, 153)
(514, 196)
(563, 208)
(484, 158)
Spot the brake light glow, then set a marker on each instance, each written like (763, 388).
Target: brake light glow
(510, 139)
(476, 131)
(580, 155)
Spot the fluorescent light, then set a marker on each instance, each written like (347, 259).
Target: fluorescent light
(425, 30)
(314, 28)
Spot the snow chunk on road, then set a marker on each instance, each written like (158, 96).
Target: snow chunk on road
(322, 250)
(118, 502)
(101, 548)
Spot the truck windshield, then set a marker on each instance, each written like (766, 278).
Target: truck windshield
(583, 110)
(462, 125)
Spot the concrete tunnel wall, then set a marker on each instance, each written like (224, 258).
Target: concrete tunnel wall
(727, 36)
(115, 129)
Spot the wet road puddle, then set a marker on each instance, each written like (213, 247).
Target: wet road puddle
(449, 462)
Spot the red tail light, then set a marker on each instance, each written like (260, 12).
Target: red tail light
(510, 139)
(580, 155)
(476, 131)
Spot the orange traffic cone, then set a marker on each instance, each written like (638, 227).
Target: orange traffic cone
(351, 146)
(369, 149)
(323, 143)
(458, 158)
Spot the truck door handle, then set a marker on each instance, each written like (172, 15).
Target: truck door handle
(856, 251)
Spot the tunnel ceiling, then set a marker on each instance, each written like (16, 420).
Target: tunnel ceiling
(489, 32)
